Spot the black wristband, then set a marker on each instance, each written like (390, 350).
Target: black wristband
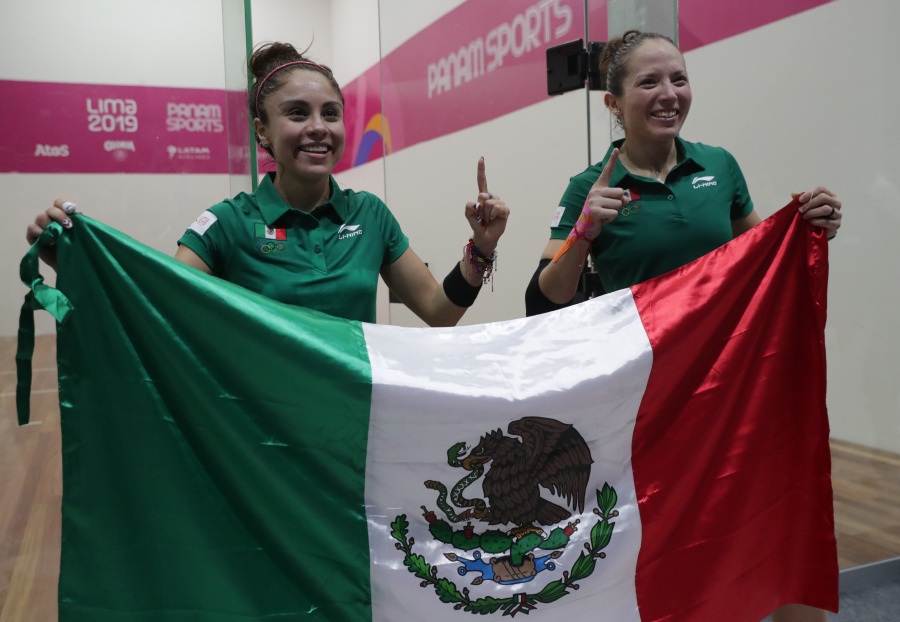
(536, 302)
(458, 290)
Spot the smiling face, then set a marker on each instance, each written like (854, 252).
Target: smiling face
(656, 95)
(305, 127)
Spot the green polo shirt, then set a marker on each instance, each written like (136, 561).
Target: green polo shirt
(664, 225)
(328, 260)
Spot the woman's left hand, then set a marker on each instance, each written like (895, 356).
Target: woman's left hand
(487, 215)
(821, 208)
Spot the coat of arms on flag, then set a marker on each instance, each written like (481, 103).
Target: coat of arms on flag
(550, 455)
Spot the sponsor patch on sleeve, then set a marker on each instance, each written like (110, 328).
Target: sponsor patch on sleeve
(557, 215)
(204, 222)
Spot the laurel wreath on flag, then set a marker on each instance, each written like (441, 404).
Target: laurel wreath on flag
(584, 566)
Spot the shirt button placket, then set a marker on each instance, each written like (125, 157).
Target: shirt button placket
(318, 249)
(674, 207)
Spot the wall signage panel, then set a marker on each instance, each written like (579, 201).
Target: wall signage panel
(486, 59)
(95, 128)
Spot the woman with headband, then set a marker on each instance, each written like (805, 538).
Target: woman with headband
(303, 240)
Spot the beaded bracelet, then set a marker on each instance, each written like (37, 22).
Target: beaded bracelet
(481, 264)
(581, 231)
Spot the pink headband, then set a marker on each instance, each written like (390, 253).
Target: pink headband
(262, 82)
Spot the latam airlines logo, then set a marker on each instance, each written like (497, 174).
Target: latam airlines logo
(702, 182)
(189, 153)
(349, 231)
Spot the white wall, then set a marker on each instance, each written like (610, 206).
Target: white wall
(158, 43)
(529, 156)
(303, 23)
(359, 19)
(127, 42)
(804, 101)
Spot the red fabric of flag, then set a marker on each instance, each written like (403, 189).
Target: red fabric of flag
(730, 450)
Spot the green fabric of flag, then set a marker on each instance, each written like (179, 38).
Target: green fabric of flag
(225, 510)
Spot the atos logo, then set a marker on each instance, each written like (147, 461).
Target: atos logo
(51, 151)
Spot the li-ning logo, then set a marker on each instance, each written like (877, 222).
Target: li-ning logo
(701, 182)
(351, 231)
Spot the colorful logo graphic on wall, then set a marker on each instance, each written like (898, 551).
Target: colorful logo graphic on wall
(377, 134)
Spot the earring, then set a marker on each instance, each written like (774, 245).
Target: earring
(264, 144)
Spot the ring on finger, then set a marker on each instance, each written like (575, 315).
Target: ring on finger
(831, 213)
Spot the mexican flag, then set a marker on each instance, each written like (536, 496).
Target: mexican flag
(659, 453)
(265, 232)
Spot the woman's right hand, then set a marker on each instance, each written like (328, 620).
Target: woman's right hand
(601, 206)
(58, 213)
(604, 201)
(558, 282)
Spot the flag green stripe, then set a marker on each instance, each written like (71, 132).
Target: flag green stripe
(216, 507)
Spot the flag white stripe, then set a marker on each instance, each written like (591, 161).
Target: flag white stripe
(587, 365)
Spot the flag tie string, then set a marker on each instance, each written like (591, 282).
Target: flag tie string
(39, 296)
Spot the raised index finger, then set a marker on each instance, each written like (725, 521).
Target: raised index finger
(482, 178)
(606, 174)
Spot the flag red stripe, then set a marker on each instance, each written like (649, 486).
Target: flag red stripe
(730, 451)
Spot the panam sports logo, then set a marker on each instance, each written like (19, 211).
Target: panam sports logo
(377, 132)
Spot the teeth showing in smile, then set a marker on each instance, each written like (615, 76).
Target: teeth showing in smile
(314, 148)
(668, 114)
